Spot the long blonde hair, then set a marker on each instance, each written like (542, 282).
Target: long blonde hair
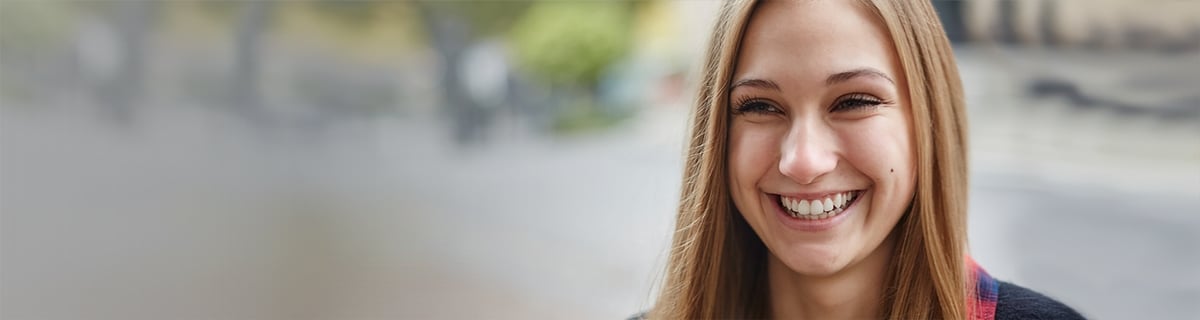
(716, 267)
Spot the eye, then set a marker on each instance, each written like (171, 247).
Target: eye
(754, 105)
(856, 102)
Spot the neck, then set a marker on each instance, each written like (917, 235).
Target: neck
(852, 293)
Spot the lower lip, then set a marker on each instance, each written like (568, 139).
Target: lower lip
(800, 224)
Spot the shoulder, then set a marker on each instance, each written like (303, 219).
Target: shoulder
(1017, 302)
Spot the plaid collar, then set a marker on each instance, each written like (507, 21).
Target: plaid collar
(981, 303)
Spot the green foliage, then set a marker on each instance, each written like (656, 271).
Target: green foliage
(30, 25)
(353, 14)
(221, 10)
(570, 43)
(488, 18)
(29, 29)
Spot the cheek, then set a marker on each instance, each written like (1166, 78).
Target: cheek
(752, 153)
(882, 149)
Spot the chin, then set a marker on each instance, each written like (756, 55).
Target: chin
(809, 261)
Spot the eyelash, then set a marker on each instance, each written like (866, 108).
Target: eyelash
(753, 105)
(856, 101)
(852, 102)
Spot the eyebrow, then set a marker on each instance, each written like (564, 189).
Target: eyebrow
(831, 80)
(860, 72)
(758, 83)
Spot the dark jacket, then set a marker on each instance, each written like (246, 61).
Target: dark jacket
(1017, 302)
(1014, 303)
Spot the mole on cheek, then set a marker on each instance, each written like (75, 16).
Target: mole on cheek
(892, 170)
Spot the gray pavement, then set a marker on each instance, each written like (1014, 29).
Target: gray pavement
(1097, 207)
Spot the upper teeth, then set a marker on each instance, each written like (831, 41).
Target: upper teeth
(818, 207)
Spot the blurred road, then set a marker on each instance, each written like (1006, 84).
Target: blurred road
(1094, 205)
(193, 214)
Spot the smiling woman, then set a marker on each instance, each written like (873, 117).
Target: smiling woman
(826, 176)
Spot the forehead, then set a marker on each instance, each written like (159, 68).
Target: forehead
(805, 41)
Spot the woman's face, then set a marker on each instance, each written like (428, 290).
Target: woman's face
(821, 153)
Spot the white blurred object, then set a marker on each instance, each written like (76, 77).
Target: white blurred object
(485, 73)
(99, 52)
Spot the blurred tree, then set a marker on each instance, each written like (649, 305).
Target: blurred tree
(355, 14)
(571, 43)
(113, 53)
(33, 23)
(449, 35)
(567, 46)
(252, 22)
(135, 20)
(451, 27)
(481, 19)
(488, 18)
(28, 30)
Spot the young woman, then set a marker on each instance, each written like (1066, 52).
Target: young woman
(826, 174)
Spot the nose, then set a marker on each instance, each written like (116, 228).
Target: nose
(808, 153)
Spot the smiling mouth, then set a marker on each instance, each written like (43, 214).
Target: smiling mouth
(817, 209)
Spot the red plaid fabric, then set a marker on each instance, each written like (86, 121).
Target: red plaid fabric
(984, 290)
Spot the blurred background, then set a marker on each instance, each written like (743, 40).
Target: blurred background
(521, 159)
